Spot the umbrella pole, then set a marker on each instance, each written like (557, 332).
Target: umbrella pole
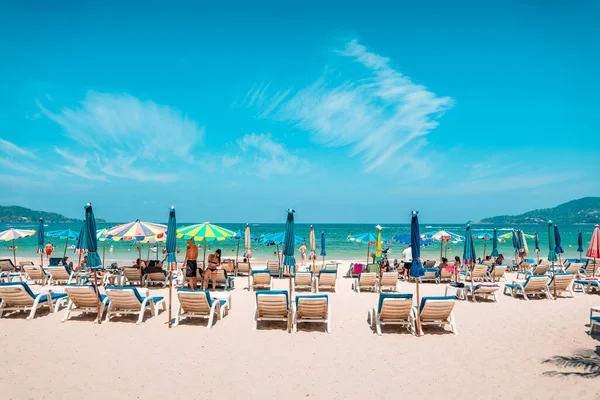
(418, 310)
(41, 264)
(237, 253)
(204, 256)
(368, 251)
(97, 298)
(140, 257)
(14, 253)
(441, 247)
(66, 244)
(103, 253)
(170, 292)
(484, 245)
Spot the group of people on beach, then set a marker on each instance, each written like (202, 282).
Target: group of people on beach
(190, 264)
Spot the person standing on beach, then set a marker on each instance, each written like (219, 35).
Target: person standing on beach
(190, 263)
(303, 253)
(214, 262)
(49, 249)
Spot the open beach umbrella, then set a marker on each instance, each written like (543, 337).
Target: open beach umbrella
(444, 237)
(469, 256)
(495, 244)
(13, 234)
(204, 232)
(67, 234)
(312, 244)
(485, 237)
(93, 259)
(277, 239)
(537, 246)
(368, 238)
(416, 267)
(405, 239)
(593, 250)
(171, 253)
(580, 245)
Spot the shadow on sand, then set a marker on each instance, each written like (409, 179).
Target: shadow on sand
(586, 364)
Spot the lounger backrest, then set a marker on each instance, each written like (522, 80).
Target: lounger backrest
(33, 272)
(16, 294)
(367, 279)
(55, 261)
(302, 278)
(6, 266)
(261, 277)
(541, 269)
(561, 281)
(314, 306)
(436, 308)
(591, 266)
(479, 271)
(327, 277)
(389, 278)
(273, 267)
(124, 297)
(394, 305)
(331, 266)
(272, 303)
(429, 264)
(573, 267)
(535, 283)
(498, 270)
(430, 273)
(132, 274)
(83, 296)
(198, 301)
(221, 276)
(227, 266)
(156, 276)
(59, 273)
(243, 267)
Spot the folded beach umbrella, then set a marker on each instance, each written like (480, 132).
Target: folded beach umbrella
(537, 246)
(13, 234)
(378, 248)
(416, 267)
(93, 259)
(523, 242)
(66, 234)
(171, 253)
(495, 244)
(551, 245)
(323, 251)
(557, 242)
(289, 261)
(593, 250)
(40, 242)
(312, 243)
(204, 232)
(469, 256)
(580, 245)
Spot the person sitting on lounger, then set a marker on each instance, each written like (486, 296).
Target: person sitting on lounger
(444, 265)
(500, 260)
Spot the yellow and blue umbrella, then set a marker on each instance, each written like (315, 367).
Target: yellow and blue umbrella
(13, 234)
(204, 232)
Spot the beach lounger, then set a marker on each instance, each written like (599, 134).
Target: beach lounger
(60, 274)
(445, 275)
(33, 273)
(22, 264)
(534, 285)
(17, 296)
(229, 267)
(389, 281)
(496, 273)
(435, 310)
(327, 280)
(331, 266)
(271, 305)
(590, 269)
(481, 289)
(222, 280)
(478, 273)
(83, 298)
(540, 270)
(587, 285)
(127, 300)
(392, 309)
(365, 281)
(273, 267)
(157, 277)
(243, 268)
(303, 281)
(311, 308)
(355, 270)
(429, 264)
(8, 271)
(261, 279)
(132, 276)
(573, 268)
(199, 304)
(429, 275)
(561, 283)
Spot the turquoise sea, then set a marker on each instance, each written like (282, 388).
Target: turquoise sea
(337, 244)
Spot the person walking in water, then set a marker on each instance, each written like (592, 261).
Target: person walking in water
(191, 264)
(48, 250)
(303, 253)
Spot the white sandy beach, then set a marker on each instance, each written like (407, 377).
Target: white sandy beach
(498, 353)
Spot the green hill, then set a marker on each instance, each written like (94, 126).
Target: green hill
(585, 210)
(12, 214)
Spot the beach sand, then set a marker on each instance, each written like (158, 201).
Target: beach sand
(499, 353)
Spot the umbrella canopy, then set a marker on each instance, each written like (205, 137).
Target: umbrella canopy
(171, 240)
(277, 238)
(289, 242)
(13, 234)
(444, 235)
(405, 239)
(580, 242)
(593, 250)
(495, 243)
(323, 251)
(137, 230)
(311, 239)
(204, 231)
(416, 268)
(93, 259)
(557, 241)
(363, 238)
(63, 234)
(551, 244)
(469, 256)
(484, 236)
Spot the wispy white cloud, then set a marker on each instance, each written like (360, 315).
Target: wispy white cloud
(378, 116)
(264, 157)
(11, 149)
(78, 166)
(125, 137)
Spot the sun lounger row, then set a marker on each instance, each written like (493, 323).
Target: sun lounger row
(541, 286)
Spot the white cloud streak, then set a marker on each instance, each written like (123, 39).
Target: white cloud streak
(13, 150)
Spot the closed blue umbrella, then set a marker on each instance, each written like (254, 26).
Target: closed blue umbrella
(93, 259)
(171, 247)
(537, 246)
(468, 249)
(323, 251)
(289, 243)
(580, 244)
(551, 252)
(557, 241)
(495, 244)
(416, 267)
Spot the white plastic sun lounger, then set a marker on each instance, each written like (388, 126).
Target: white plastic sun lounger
(271, 305)
(127, 300)
(199, 304)
(391, 309)
(561, 283)
(303, 281)
(312, 308)
(34, 273)
(389, 282)
(83, 299)
(435, 310)
(481, 289)
(534, 285)
(261, 279)
(60, 274)
(365, 281)
(17, 296)
(327, 280)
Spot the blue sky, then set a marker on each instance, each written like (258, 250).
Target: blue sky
(347, 112)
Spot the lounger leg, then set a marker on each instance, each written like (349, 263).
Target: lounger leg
(102, 307)
(328, 318)
(35, 306)
(1, 307)
(294, 320)
(377, 322)
(212, 314)
(255, 318)
(108, 312)
(178, 315)
(67, 311)
(453, 323)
